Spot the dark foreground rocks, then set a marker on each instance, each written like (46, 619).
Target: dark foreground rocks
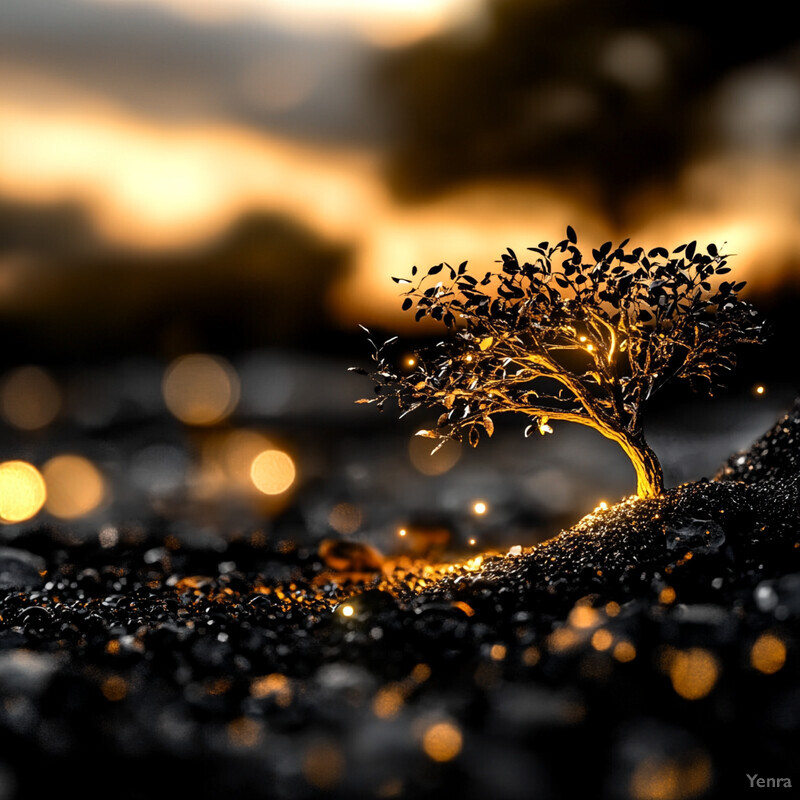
(650, 652)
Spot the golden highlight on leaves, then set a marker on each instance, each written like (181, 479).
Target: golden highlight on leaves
(572, 338)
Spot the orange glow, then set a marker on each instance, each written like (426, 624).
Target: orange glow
(744, 201)
(442, 741)
(273, 472)
(29, 398)
(75, 487)
(624, 651)
(274, 686)
(152, 185)
(345, 518)
(114, 688)
(443, 460)
(420, 673)
(583, 616)
(323, 765)
(473, 223)
(388, 701)
(562, 639)
(666, 779)
(768, 654)
(602, 639)
(244, 732)
(200, 389)
(531, 656)
(157, 184)
(22, 491)
(667, 595)
(238, 452)
(693, 672)
(480, 508)
(612, 608)
(498, 652)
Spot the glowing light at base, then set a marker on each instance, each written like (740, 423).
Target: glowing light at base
(273, 472)
(442, 741)
(22, 491)
(29, 398)
(75, 487)
(200, 389)
(479, 507)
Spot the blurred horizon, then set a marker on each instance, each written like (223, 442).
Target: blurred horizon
(216, 175)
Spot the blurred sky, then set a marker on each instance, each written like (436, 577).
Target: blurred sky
(175, 172)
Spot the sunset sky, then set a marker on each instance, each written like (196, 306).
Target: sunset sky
(165, 120)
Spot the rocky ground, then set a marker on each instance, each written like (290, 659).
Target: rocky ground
(648, 652)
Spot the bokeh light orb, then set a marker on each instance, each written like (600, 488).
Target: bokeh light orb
(768, 654)
(22, 491)
(75, 487)
(239, 449)
(201, 389)
(428, 463)
(273, 472)
(29, 398)
(442, 741)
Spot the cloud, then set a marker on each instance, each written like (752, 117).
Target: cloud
(167, 66)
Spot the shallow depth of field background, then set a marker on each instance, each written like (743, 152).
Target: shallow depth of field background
(202, 199)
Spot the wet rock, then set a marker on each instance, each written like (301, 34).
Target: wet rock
(774, 456)
(697, 535)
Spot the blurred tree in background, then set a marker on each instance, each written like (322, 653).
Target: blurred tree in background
(602, 98)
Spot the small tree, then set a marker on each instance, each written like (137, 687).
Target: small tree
(566, 338)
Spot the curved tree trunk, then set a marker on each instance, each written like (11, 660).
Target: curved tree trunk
(649, 475)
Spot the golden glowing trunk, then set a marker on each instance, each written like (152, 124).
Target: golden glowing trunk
(649, 475)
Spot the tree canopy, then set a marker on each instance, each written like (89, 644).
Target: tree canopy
(563, 337)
